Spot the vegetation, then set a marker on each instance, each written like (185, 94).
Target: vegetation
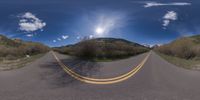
(180, 62)
(103, 49)
(184, 52)
(16, 48)
(14, 64)
(186, 48)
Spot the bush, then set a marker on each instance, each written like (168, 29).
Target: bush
(86, 50)
(102, 49)
(182, 48)
(22, 50)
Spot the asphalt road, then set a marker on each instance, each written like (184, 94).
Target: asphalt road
(44, 79)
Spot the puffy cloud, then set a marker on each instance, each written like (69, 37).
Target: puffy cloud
(166, 22)
(168, 17)
(65, 37)
(29, 22)
(155, 4)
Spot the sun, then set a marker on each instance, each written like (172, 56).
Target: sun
(99, 30)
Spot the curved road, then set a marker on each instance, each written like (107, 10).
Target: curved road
(44, 79)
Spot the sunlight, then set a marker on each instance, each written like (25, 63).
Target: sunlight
(99, 31)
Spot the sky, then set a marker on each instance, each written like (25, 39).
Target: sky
(63, 22)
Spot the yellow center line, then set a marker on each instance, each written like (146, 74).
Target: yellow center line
(100, 81)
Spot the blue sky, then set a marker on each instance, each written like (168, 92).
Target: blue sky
(62, 22)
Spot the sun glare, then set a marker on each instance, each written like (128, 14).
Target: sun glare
(99, 30)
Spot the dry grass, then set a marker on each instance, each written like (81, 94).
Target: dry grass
(18, 63)
(180, 62)
(13, 49)
(186, 48)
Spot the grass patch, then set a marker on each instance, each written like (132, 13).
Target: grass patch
(187, 64)
(15, 64)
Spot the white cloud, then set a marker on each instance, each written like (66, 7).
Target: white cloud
(29, 35)
(59, 39)
(54, 41)
(166, 22)
(65, 37)
(91, 36)
(29, 22)
(155, 4)
(78, 37)
(168, 17)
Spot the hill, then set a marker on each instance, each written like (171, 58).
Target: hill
(103, 48)
(16, 48)
(185, 47)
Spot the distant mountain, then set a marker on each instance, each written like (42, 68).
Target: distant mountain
(104, 48)
(15, 48)
(185, 47)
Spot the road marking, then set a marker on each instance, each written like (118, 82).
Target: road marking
(101, 81)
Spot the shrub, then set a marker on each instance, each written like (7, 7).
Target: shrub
(102, 49)
(86, 50)
(182, 48)
(22, 50)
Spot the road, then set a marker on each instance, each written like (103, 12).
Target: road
(44, 79)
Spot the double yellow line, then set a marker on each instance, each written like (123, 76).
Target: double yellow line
(101, 81)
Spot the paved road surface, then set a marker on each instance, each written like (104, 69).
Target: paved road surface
(45, 80)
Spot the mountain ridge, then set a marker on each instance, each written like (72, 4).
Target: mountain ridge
(103, 48)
